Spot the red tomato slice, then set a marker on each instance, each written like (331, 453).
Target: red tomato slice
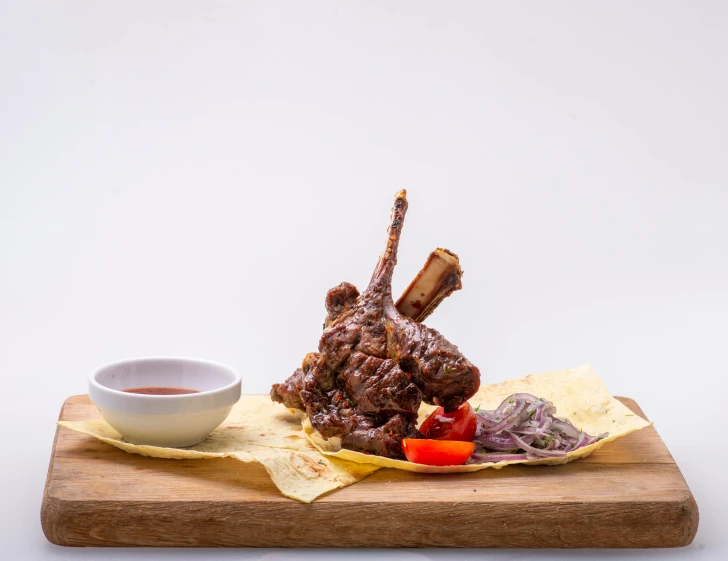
(437, 452)
(459, 425)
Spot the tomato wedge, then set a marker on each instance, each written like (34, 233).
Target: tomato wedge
(437, 452)
(459, 425)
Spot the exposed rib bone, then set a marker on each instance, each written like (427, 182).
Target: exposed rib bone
(382, 277)
(439, 278)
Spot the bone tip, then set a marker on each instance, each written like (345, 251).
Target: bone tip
(441, 250)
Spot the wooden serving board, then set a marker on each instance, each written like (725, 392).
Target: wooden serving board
(630, 493)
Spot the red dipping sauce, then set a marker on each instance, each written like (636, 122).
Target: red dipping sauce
(152, 390)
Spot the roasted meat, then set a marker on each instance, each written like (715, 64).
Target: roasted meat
(374, 365)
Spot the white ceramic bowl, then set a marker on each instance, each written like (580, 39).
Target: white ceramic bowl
(172, 421)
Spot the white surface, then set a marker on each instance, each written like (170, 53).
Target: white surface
(190, 178)
(165, 420)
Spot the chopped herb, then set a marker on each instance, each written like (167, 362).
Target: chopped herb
(477, 408)
(629, 415)
(447, 369)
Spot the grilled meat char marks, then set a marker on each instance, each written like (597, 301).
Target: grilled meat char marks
(375, 366)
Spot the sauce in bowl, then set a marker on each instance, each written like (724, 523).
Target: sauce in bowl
(158, 390)
(170, 402)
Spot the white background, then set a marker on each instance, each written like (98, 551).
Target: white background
(184, 178)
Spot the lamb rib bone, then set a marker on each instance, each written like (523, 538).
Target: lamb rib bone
(439, 278)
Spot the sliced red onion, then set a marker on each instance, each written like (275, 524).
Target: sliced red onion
(594, 439)
(537, 451)
(505, 404)
(495, 457)
(538, 414)
(500, 442)
(565, 428)
(524, 427)
(582, 440)
(514, 417)
(528, 430)
(530, 398)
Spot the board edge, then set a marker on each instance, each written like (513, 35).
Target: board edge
(52, 508)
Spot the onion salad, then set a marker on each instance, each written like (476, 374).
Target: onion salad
(524, 427)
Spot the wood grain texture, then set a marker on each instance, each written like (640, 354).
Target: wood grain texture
(629, 493)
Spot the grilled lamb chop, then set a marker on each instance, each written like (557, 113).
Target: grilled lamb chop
(375, 366)
(438, 278)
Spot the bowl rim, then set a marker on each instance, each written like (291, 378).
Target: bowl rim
(237, 378)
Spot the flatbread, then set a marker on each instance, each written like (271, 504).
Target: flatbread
(257, 430)
(578, 394)
(304, 466)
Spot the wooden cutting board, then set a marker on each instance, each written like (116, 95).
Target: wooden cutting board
(630, 493)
